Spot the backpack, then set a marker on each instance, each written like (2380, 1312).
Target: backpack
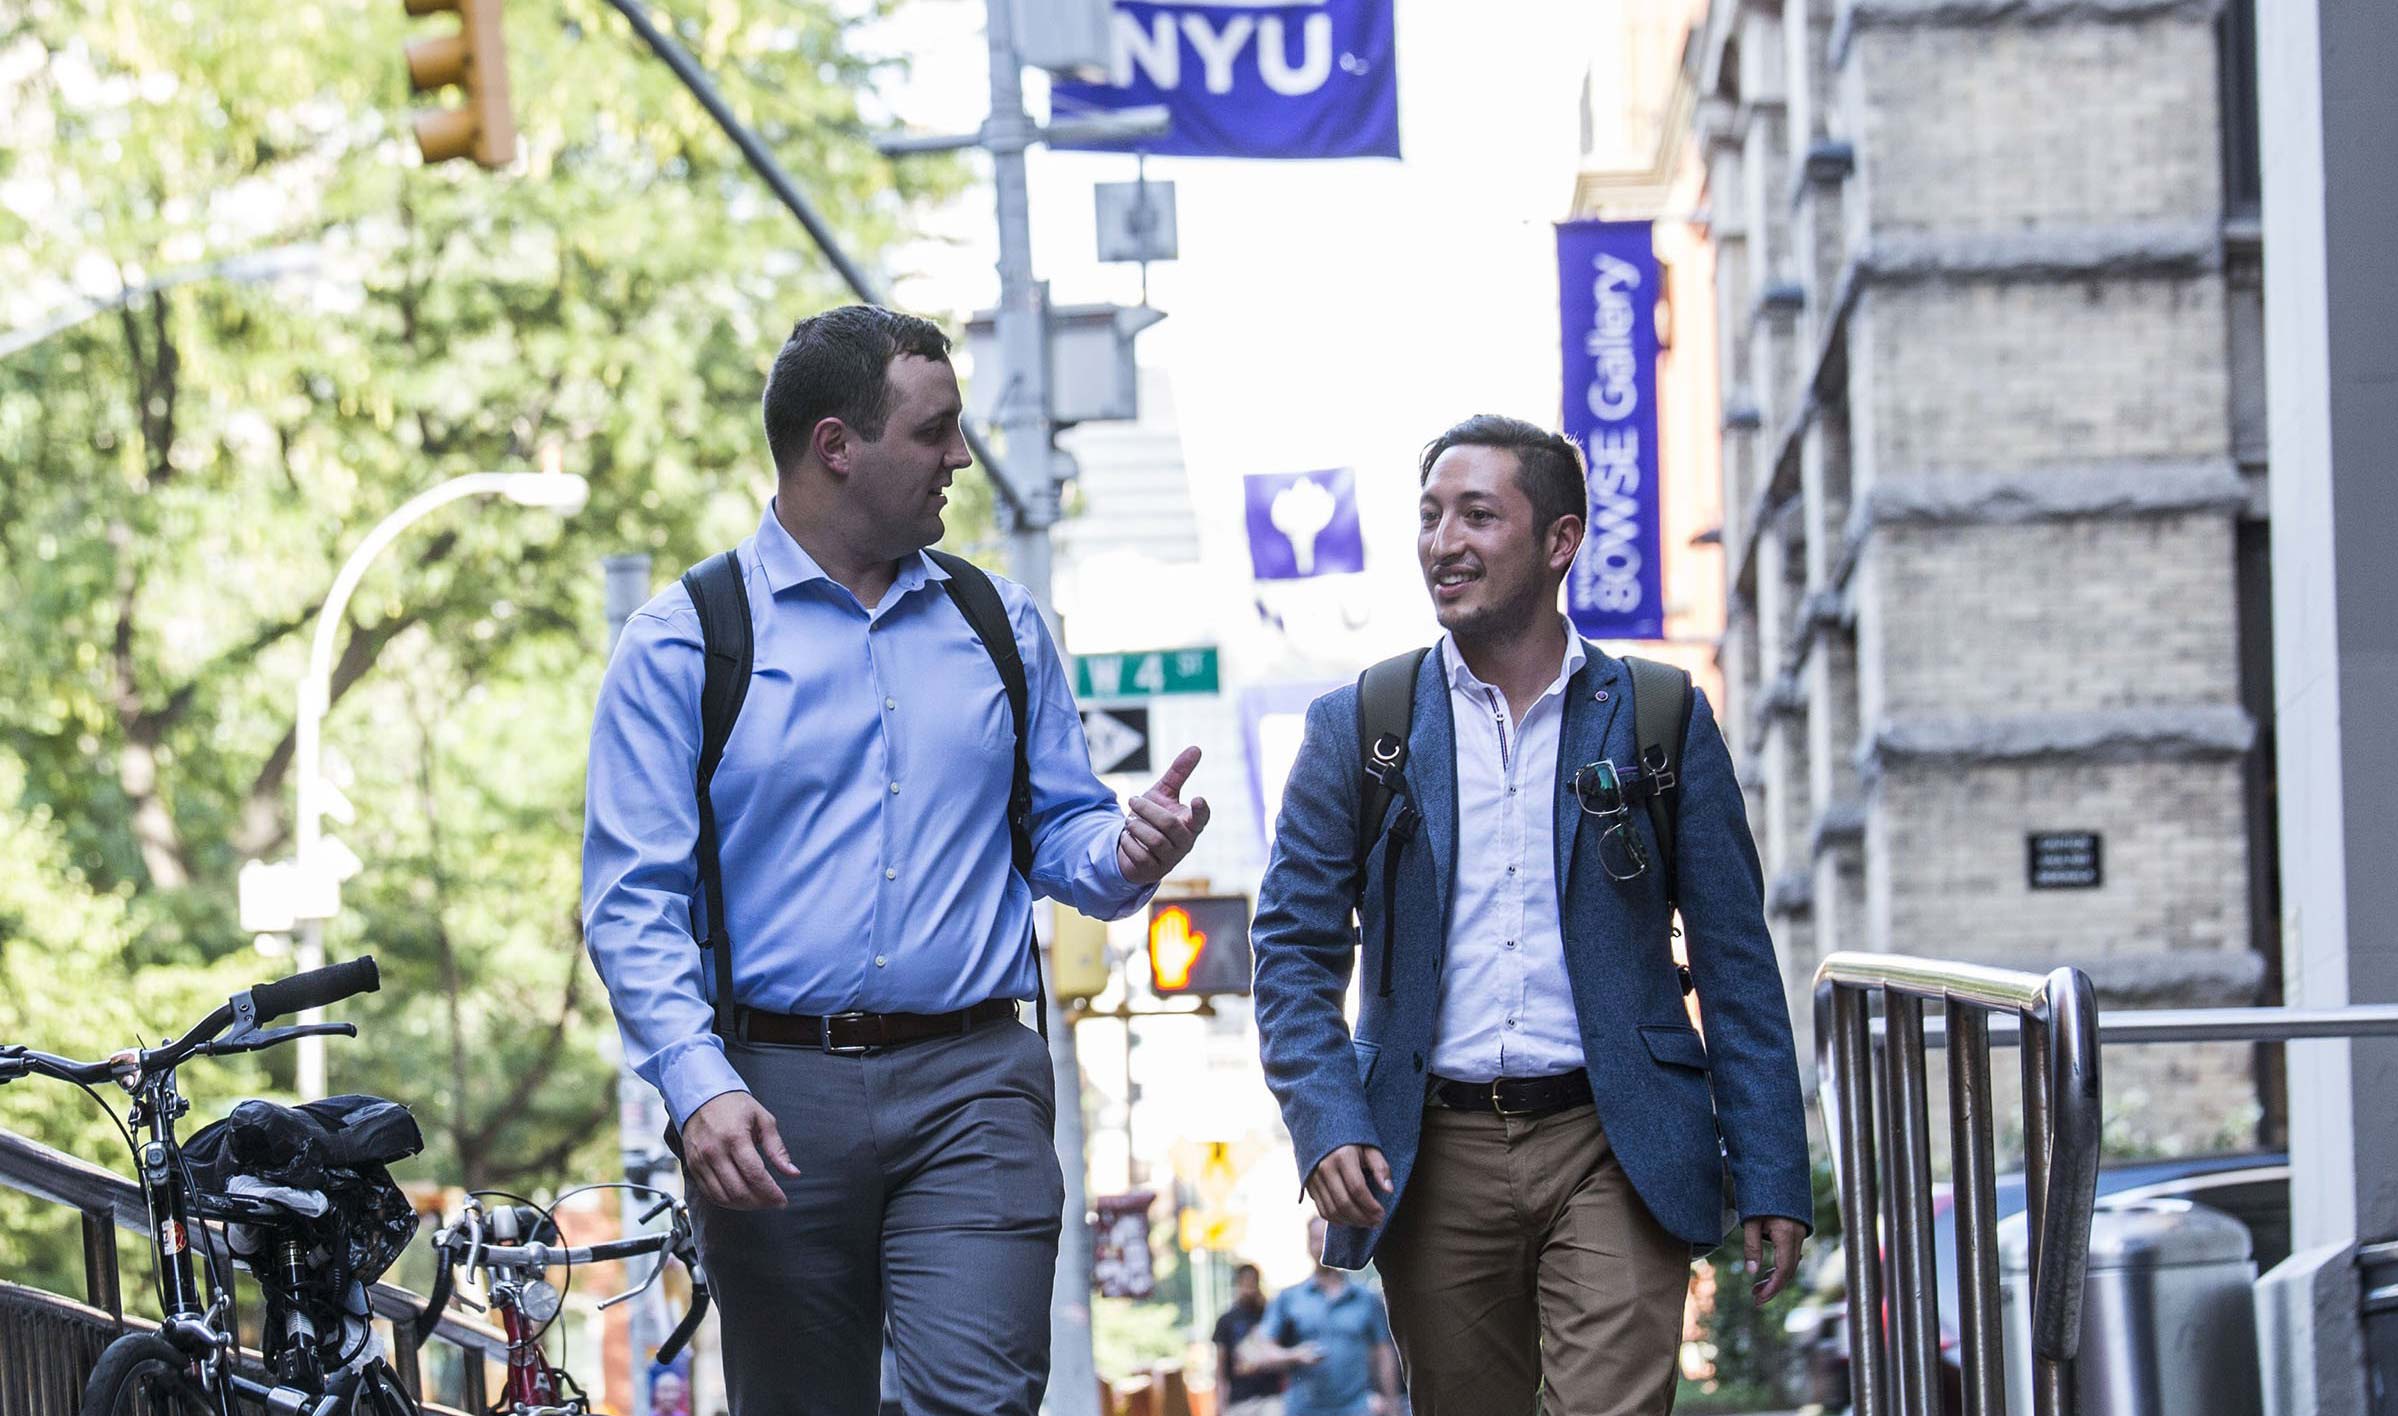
(722, 599)
(1386, 715)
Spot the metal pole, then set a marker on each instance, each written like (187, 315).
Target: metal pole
(316, 694)
(1972, 1126)
(1916, 1299)
(1022, 327)
(1852, 1045)
(640, 1115)
(777, 181)
(2052, 1389)
(1885, 1138)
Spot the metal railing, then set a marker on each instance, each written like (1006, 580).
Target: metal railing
(2056, 1016)
(37, 1336)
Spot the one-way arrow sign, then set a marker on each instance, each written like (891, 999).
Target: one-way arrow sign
(1119, 738)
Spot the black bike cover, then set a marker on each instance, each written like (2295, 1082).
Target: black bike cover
(338, 1146)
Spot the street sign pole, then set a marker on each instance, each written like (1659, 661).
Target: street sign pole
(640, 1113)
(1026, 431)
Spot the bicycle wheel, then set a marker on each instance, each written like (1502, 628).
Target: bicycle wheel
(143, 1375)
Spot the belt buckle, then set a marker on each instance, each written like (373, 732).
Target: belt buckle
(824, 1035)
(1496, 1106)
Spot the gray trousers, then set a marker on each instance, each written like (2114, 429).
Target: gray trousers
(928, 1200)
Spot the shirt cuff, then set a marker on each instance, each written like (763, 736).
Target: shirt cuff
(1107, 877)
(697, 1075)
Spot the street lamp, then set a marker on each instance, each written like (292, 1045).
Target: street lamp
(318, 892)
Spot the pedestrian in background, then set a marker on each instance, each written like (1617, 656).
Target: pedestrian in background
(1239, 1390)
(864, 1123)
(1523, 1132)
(1332, 1338)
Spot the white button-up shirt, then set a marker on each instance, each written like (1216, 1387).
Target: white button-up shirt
(1506, 1009)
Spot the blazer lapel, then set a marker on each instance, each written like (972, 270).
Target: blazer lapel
(1591, 701)
(1432, 772)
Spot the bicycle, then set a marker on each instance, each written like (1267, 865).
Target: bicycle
(312, 1249)
(515, 1245)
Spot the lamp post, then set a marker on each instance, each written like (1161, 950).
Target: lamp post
(318, 896)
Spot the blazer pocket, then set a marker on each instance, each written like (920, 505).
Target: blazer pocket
(1675, 1045)
(1367, 1054)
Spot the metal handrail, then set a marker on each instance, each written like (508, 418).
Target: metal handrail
(106, 1199)
(2057, 1016)
(2276, 1024)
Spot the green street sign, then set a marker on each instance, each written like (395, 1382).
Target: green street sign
(1157, 672)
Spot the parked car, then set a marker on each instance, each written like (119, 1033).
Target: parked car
(2252, 1188)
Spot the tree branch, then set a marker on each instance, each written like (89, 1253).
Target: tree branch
(529, 1078)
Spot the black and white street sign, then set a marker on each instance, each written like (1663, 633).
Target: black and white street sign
(1119, 739)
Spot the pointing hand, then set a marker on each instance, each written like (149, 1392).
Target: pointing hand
(1158, 827)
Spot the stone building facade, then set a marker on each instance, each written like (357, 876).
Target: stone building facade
(1990, 332)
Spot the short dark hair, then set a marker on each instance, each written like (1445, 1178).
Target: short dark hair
(1548, 466)
(1249, 1269)
(837, 365)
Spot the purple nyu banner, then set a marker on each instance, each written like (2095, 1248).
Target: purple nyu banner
(1251, 78)
(1607, 299)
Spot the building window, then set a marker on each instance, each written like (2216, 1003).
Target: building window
(2243, 184)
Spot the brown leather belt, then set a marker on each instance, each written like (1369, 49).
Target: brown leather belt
(856, 1034)
(1514, 1096)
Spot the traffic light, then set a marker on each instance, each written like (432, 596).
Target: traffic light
(474, 58)
(1199, 945)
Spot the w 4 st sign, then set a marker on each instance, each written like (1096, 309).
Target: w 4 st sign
(1149, 675)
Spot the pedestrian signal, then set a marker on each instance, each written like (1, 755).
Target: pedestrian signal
(1199, 946)
(474, 59)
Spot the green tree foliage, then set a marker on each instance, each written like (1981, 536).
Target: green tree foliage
(182, 472)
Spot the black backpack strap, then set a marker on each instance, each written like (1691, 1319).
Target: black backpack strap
(978, 600)
(1385, 718)
(1661, 721)
(986, 614)
(717, 593)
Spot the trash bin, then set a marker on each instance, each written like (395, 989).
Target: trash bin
(2168, 1313)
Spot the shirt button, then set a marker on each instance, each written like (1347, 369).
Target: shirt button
(1511, 870)
(895, 789)
(1510, 943)
(880, 960)
(1511, 1022)
(890, 873)
(891, 705)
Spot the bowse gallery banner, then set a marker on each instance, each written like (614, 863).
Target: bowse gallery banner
(1313, 79)
(1607, 299)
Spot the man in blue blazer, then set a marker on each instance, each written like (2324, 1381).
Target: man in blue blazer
(1524, 1133)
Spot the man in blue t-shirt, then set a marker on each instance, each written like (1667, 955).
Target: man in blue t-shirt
(1333, 1337)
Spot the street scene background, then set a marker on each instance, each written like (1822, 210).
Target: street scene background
(1963, 509)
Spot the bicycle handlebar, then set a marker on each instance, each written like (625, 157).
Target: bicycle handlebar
(316, 988)
(528, 1257)
(689, 1325)
(313, 989)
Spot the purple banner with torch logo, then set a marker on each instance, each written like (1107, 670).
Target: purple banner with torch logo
(1607, 301)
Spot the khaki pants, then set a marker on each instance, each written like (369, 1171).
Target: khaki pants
(1520, 1253)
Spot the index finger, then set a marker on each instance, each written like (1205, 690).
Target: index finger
(1177, 772)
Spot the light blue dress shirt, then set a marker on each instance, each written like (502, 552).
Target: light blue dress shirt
(1506, 1004)
(863, 805)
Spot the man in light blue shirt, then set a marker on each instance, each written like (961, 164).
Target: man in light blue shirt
(1333, 1337)
(874, 1134)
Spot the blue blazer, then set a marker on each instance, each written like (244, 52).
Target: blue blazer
(1664, 1096)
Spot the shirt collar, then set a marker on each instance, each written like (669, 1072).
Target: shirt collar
(1462, 677)
(787, 563)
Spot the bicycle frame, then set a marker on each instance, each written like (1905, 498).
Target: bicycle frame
(179, 1213)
